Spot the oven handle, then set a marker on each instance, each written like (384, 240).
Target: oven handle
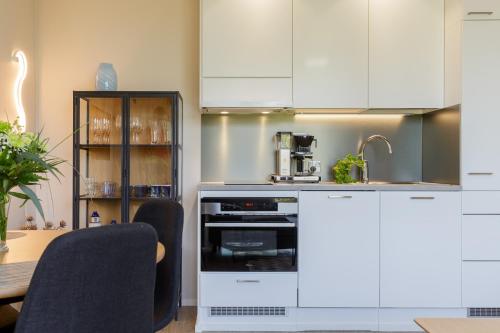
(249, 225)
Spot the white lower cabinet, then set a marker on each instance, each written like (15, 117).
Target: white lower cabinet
(338, 249)
(420, 250)
(481, 237)
(480, 284)
(248, 289)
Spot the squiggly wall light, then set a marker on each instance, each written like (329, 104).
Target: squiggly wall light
(18, 87)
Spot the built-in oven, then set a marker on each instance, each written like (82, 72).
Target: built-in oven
(249, 234)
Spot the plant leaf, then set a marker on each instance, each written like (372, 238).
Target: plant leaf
(33, 197)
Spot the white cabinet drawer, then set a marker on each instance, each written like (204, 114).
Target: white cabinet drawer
(481, 9)
(481, 237)
(480, 286)
(481, 202)
(248, 289)
(246, 92)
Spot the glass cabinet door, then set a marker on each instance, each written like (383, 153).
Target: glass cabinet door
(151, 134)
(100, 159)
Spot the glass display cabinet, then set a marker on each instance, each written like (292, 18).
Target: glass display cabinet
(127, 148)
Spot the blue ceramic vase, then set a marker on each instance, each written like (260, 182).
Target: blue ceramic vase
(106, 78)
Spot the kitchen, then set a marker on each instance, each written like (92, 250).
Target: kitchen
(401, 90)
(306, 165)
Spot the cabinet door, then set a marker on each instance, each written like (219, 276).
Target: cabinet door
(481, 106)
(406, 53)
(330, 52)
(338, 249)
(481, 9)
(246, 38)
(420, 244)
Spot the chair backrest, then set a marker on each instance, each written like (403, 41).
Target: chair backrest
(94, 280)
(167, 217)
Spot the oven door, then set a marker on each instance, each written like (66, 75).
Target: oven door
(249, 244)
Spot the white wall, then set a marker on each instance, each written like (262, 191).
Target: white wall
(16, 32)
(153, 45)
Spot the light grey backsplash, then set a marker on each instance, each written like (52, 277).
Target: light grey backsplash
(441, 146)
(240, 147)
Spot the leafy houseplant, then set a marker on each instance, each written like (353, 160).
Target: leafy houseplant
(343, 167)
(24, 161)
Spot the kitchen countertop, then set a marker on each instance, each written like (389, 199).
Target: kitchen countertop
(327, 186)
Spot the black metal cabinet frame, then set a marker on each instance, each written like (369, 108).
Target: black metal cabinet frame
(125, 96)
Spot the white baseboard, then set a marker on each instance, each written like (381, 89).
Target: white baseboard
(306, 319)
(189, 302)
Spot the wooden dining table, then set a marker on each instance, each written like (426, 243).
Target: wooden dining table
(18, 264)
(459, 325)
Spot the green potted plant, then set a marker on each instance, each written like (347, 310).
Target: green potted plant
(24, 161)
(342, 169)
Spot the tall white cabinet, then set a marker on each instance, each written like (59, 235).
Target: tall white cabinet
(480, 157)
(338, 249)
(330, 53)
(481, 105)
(246, 53)
(420, 250)
(406, 53)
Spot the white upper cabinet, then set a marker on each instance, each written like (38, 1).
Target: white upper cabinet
(481, 106)
(246, 53)
(338, 249)
(420, 250)
(406, 53)
(481, 9)
(246, 38)
(330, 53)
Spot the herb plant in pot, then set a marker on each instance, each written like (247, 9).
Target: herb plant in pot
(24, 161)
(343, 168)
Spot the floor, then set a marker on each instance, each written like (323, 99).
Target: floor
(187, 319)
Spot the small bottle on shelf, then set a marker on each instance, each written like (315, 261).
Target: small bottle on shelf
(95, 220)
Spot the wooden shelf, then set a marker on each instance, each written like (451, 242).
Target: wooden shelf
(99, 146)
(84, 197)
(151, 145)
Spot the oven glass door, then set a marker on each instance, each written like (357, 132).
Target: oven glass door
(249, 243)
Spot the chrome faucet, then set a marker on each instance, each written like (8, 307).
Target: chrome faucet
(364, 172)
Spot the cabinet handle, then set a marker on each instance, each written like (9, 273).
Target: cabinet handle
(480, 173)
(247, 281)
(422, 198)
(480, 13)
(340, 197)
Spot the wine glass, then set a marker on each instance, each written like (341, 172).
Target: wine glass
(136, 128)
(96, 129)
(106, 129)
(154, 127)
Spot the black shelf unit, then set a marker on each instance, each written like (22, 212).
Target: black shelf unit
(124, 160)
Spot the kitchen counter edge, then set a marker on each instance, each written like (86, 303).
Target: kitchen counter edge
(215, 186)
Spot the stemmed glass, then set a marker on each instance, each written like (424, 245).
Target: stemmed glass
(165, 129)
(136, 128)
(96, 126)
(155, 129)
(105, 130)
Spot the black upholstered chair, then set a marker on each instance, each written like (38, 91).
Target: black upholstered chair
(98, 280)
(167, 217)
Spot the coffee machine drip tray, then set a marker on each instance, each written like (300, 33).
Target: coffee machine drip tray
(296, 179)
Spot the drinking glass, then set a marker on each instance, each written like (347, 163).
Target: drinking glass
(91, 186)
(165, 131)
(136, 128)
(96, 129)
(155, 129)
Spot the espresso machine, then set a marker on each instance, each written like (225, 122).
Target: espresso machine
(294, 158)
